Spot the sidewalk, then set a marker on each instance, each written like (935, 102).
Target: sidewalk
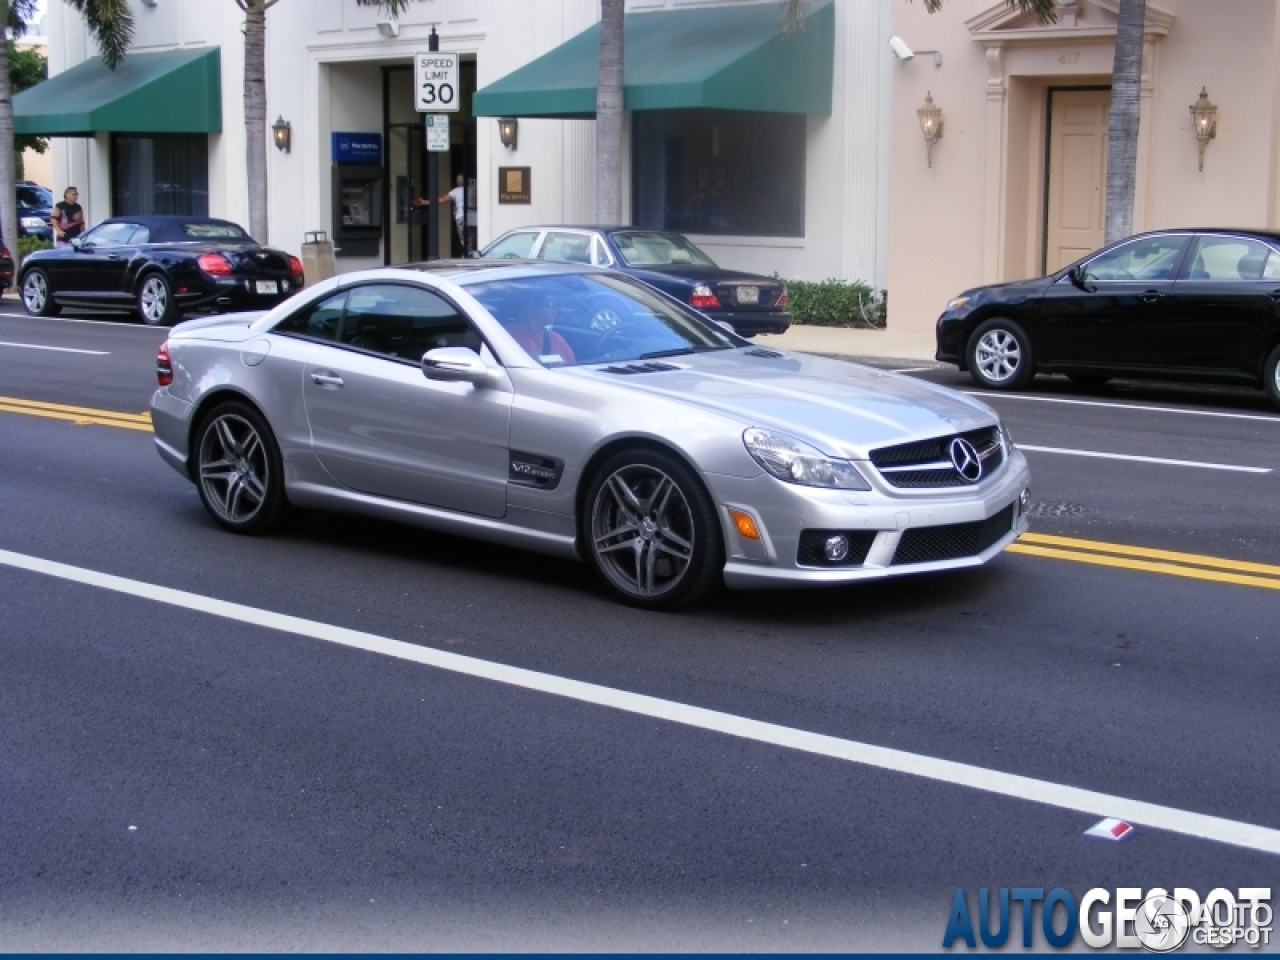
(855, 342)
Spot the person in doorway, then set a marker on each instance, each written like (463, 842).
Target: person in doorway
(464, 211)
(67, 218)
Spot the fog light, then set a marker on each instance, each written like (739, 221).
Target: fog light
(1024, 500)
(836, 548)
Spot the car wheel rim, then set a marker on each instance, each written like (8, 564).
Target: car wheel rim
(999, 355)
(642, 531)
(34, 292)
(233, 468)
(155, 300)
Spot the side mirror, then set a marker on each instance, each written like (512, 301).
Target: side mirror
(77, 243)
(1080, 279)
(454, 365)
(473, 254)
(725, 325)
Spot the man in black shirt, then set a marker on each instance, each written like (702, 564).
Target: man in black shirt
(67, 218)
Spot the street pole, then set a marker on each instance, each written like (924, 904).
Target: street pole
(433, 175)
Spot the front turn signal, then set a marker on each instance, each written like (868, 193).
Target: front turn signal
(745, 524)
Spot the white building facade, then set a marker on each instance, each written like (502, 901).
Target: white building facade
(344, 83)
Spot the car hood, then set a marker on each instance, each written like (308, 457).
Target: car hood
(229, 327)
(844, 409)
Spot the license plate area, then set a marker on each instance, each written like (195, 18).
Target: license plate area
(267, 286)
(748, 295)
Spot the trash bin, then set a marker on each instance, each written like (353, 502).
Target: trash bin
(317, 257)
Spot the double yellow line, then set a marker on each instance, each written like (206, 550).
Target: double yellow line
(82, 415)
(1193, 565)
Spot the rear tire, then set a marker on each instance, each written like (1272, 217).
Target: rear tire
(239, 471)
(650, 531)
(155, 301)
(37, 297)
(1271, 376)
(1000, 355)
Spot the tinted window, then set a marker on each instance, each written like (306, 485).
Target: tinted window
(34, 198)
(110, 234)
(566, 248)
(319, 321)
(1231, 258)
(517, 246)
(658, 250)
(166, 174)
(575, 319)
(404, 322)
(228, 231)
(1149, 258)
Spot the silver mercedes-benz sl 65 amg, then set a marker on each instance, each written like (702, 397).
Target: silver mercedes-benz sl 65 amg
(581, 413)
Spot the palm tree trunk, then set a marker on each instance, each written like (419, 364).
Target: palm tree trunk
(1122, 139)
(8, 203)
(609, 116)
(255, 112)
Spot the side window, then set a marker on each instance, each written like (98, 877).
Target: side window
(404, 322)
(518, 246)
(566, 248)
(110, 235)
(1231, 258)
(1148, 258)
(1272, 270)
(319, 321)
(140, 235)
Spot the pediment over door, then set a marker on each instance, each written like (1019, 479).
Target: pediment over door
(1083, 20)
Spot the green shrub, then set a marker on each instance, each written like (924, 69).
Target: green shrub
(29, 245)
(836, 303)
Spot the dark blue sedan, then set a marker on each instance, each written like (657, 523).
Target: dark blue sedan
(748, 302)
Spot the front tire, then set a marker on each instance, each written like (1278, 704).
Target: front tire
(239, 471)
(650, 531)
(37, 298)
(1271, 376)
(1000, 355)
(155, 301)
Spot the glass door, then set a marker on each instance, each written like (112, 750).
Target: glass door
(406, 180)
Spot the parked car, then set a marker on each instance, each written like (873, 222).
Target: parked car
(1184, 305)
(579, 412)
(750, 303)
(161, 267)
(35, 207)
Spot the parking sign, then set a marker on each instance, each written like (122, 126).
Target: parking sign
(435, 82)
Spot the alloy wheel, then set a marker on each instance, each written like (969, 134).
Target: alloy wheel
(999, 355)
(35, 291)
(153, 300)
(233, 468)
(642, 531)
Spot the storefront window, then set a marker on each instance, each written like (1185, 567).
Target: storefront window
(719, 172)
(160, 174)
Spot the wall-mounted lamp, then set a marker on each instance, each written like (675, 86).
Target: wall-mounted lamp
(930, 124)
(508, 129)
(389, 27)
(1204, 121)
(282, 134)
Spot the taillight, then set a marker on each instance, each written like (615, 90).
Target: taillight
(782, 300)
(295, 267)
(703, 297)
(214, 264)
(164, 369)
(4, 252)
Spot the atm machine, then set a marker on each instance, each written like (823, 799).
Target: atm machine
(357, 194)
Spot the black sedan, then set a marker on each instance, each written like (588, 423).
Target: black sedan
(1185, 305)
(161, 267)
(748, 302)
(35, 208)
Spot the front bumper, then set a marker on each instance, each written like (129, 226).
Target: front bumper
(783, 511)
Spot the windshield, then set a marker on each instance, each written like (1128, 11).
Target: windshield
(569, 319)
(659, 250)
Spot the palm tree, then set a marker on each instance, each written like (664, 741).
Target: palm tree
(255, 112)
(609, 115)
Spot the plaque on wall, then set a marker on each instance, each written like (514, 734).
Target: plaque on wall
(514, 185)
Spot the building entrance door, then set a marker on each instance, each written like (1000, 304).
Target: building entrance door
(406, 182)
(1075, 206)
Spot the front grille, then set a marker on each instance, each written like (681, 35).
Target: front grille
(811, 541)
(927, 463)
(952, 541)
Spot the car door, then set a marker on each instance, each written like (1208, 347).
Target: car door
(1224, 306)
(98, 269)
(1116, 316)
(379, 426)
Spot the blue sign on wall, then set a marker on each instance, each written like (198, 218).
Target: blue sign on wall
(357, 148)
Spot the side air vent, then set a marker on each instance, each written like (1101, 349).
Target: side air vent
(648, 367)
(762, 352)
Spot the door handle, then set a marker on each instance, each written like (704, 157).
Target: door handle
(114, 256)
(1151, 296)
(325, 379)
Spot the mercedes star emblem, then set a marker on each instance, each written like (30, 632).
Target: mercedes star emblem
(966, 460)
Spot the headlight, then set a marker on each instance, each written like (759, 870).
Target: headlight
(796, 462)
(33, 223)
(957, 303)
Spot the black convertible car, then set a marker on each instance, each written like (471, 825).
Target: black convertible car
(748, 302)
(1188, 305)
(160, 267)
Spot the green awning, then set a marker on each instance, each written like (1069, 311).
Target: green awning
(726, 57)
(176, 91)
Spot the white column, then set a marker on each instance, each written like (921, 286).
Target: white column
(993, 209)
(860, 104)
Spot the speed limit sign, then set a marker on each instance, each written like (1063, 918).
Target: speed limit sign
(435, 82)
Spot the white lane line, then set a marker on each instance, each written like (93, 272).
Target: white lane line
(1137, 459)
(912, 369)
(37, 346)
(1185, 822)
(96, 322)
(1122, 406)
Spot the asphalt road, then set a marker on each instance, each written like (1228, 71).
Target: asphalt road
(171, 778)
